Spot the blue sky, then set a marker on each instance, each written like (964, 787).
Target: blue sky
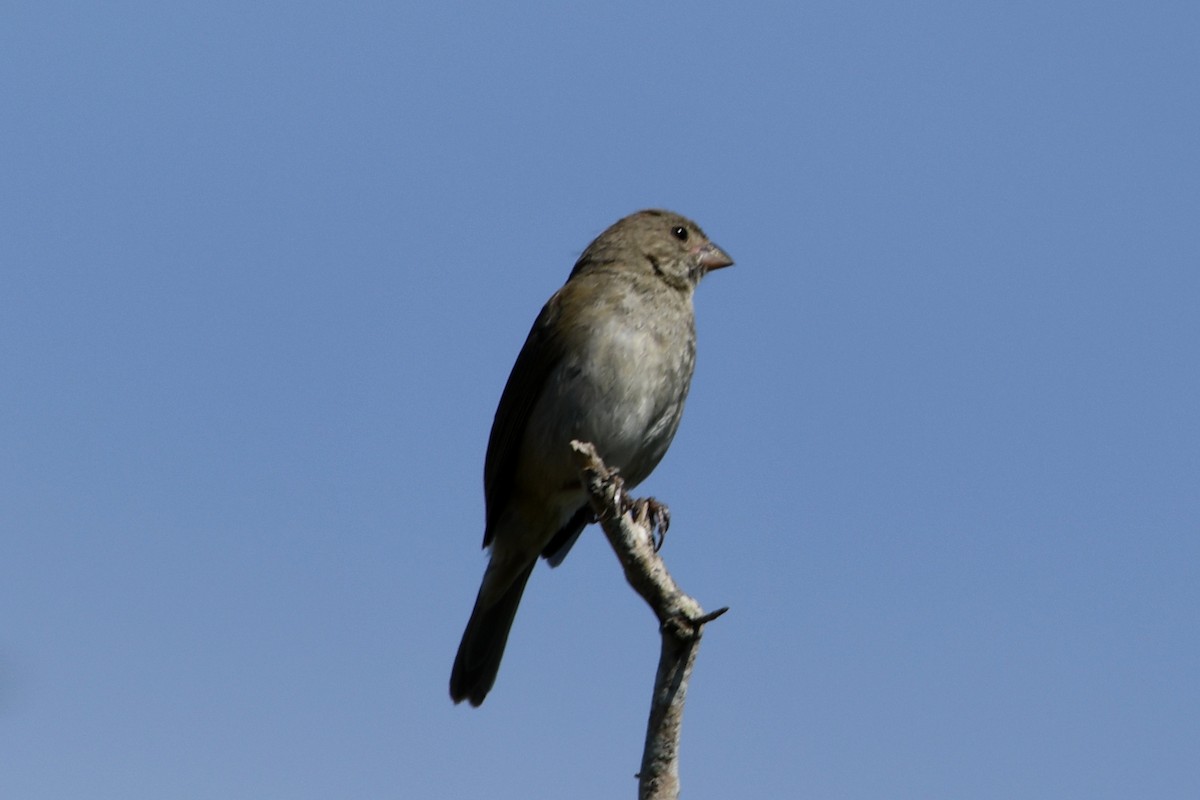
(264, 269)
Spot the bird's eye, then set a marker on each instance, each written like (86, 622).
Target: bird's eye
(680, 233)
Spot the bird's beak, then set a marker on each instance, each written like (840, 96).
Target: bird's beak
(713, 257)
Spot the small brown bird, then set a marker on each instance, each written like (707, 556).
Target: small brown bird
(609, 361)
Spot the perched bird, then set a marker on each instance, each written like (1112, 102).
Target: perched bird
(609, 361)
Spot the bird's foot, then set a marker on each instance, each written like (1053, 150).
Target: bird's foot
(648, 511)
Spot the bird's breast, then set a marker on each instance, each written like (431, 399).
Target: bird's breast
(623, 390)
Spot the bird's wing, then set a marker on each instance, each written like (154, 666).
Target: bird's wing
(538, 357)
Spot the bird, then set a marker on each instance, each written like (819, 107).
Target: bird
(609, 360)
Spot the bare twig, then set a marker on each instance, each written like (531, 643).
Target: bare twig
(630, 527)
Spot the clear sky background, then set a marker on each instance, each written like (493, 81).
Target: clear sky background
(264, 269)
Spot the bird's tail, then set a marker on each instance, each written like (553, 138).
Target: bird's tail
(483, 641)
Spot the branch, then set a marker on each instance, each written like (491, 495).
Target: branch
(629, 526)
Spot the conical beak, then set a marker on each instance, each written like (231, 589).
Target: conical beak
(713, 257)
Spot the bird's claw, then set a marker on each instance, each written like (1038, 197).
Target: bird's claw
(648, 511)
